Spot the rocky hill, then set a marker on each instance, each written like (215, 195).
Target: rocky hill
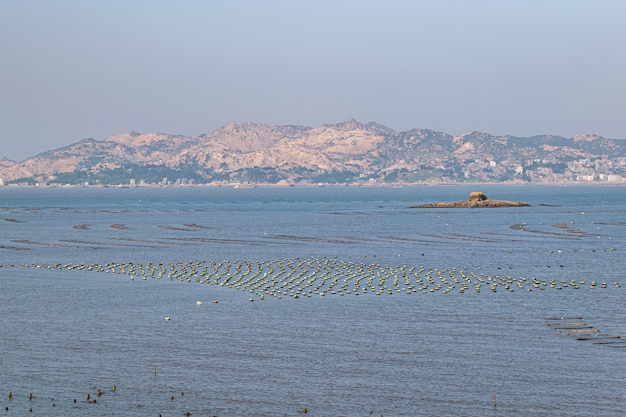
(349, 152)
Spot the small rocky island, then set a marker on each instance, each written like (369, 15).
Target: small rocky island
(475, 200)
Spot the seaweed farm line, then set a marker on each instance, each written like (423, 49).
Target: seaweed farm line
(576, 327)
(320, 277)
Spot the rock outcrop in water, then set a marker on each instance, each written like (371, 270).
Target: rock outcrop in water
(475, 200)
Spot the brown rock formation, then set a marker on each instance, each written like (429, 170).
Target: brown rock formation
(475, 200)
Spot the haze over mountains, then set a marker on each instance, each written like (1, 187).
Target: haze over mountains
(345, 153)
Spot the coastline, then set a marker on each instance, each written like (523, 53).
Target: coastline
(322, 185)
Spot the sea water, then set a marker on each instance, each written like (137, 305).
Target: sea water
(68, 330)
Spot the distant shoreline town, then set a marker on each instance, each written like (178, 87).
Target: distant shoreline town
(183, 184)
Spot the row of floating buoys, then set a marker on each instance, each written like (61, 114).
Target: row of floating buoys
(309, 277)
(88, 399)
(575, 326)
(91, 397)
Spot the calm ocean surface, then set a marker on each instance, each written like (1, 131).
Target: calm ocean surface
(451, 318)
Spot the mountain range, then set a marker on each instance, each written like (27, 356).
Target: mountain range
(345, 153)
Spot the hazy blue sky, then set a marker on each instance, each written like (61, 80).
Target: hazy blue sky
(76, 69)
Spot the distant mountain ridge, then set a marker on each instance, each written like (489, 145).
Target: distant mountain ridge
(344, 153)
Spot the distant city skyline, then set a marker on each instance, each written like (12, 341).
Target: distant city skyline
(72, 69)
